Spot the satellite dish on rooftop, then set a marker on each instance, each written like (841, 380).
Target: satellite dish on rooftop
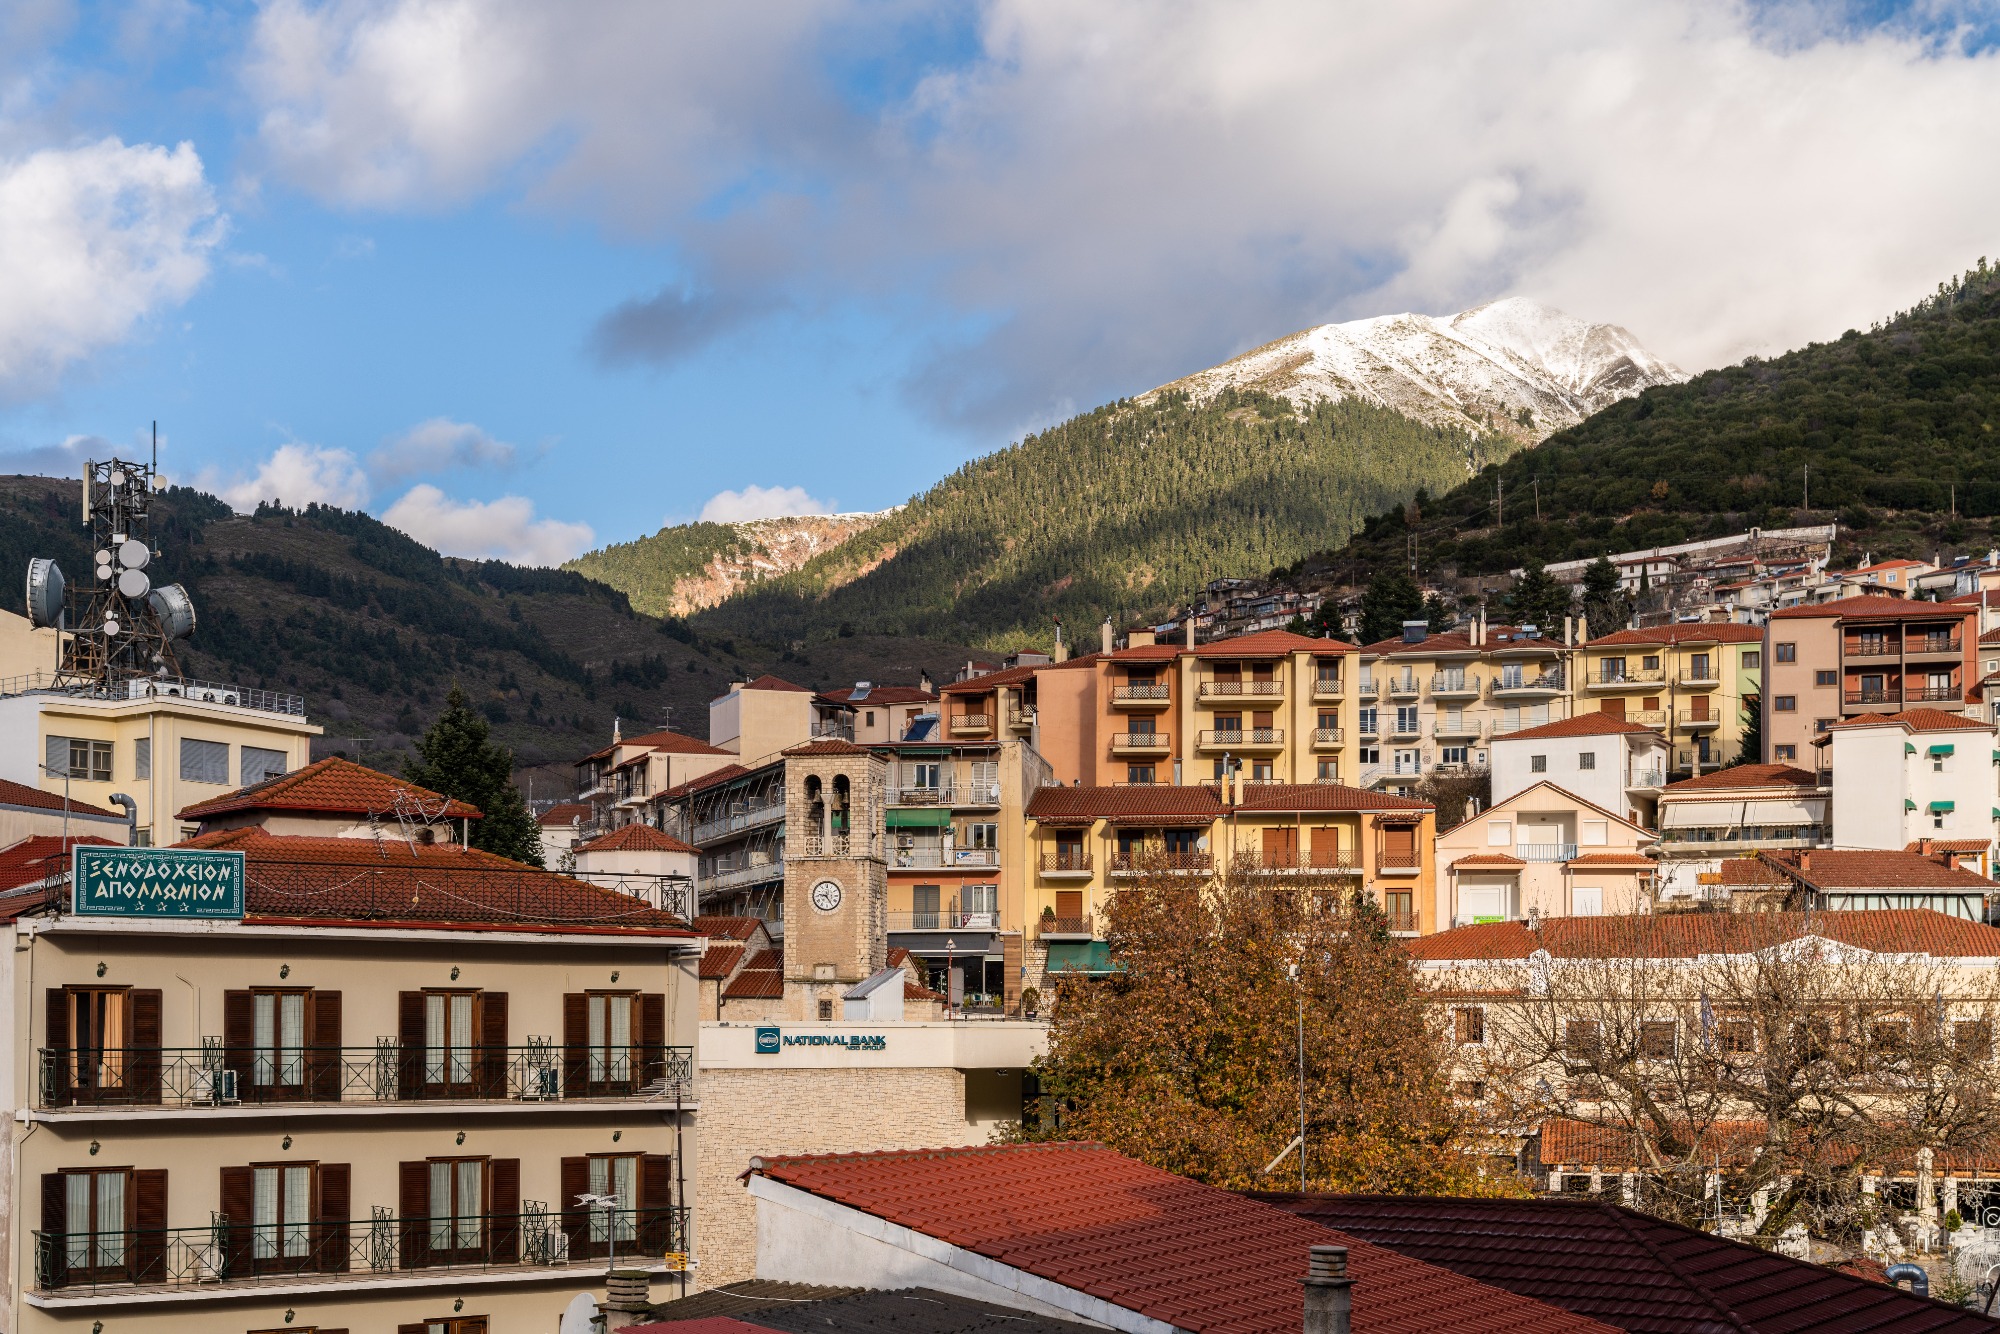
(45, 592)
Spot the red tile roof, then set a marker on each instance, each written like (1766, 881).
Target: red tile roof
(1078, 804)
(563, 812)
(636, 837)
(1927, 846)
(1704, 632)
(1323, 797)
(1919, 720)
(719, 961)
(1748, 872)
(979, 685)
(33, 798)
(1612, 861)
(30, 861)
(710, 779)
(1189, 1255)
(732, 928)
(1476, 860)
(1871, 607)
(1744, 775)
(1991, 636)
(770, 682)
(1842, 869)
(1147, 653)
(1271, 644)
(1643, 1274)
(363, 881)
(333, 786)
(756, 984)
(826, 745)
(1583, 1143)
(1689, 935)
(671, 743)
(1595, 723)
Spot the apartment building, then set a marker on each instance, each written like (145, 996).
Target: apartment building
(868, 714)
(271, 1081)
(1901, 778)
(1436, 702)
(1273, 706)
(1689, 682)
(1543, 852)
(1087, 841)
(1734, 813)
(1860, 656)
(993, 705)
(1605, 758)
(619, 782)
(29, 812)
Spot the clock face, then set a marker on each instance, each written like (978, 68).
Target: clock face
(826, 895)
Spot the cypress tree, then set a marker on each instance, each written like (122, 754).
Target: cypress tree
(459, 758)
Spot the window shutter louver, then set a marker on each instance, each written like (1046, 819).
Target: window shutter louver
(237, 1037)
(652, 1039)
(575, 1221)
(576, 1043)
(145, 1045)
(656, 1197)
(239, 1193)
(335, 1204)
(149, 1224)
(504, 1228)
(493, 1043)
(410, 1042)
(55, 1060)
(54, 1250)
(323, 1068)
(413, 1207)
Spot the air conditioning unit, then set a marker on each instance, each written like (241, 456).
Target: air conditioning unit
(541, 1083)
(215, 1088)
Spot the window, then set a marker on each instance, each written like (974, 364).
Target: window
(610, 1037)
(142, 759)
(1329, 721)
(449, 1036)
(1406, 719)
(142, 837)
(95, 1236)
(1369, 755)
(1538, 764)
(1368, 722)
(1651, 662)
(281, 1211)
(1469, 1025)
(1785, 703)
(1594, 833)
(1581, 1039)
(1973, 1038)
(1328, 771)
(1658, 1038)
(1753, 660)
(258, 764)
(1261, 771)
(1736, 1037)
(75, 757)
(457, 1205)
(278, 1039)
(1784, 752)
(1826, 678)
(1587, 760)
(1787, 652)
(985, 835)
(868, 718)
(1698, 668)
(1823, 724)
(1139, 773)
(204, 762)
(976, 902)
(618, 1174)
(826, 1011)
(1499, 833)
(1451, 755)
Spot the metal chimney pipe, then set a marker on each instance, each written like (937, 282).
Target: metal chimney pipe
(1329, 1292)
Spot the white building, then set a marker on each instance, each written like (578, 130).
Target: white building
(1735, 812)
(1899, 778)
(1609, 762)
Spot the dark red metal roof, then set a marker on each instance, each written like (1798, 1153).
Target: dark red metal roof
(1631, 1270)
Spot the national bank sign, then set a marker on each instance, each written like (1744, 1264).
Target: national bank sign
(771, 1041)
(156, 882)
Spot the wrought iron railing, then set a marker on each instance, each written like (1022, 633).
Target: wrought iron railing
(1401, 919)
(1297, 859)
(928, 857)
(1142, 692)
(1126, 741)
(731, 876)
(1326, 736)
(952, 918)
(842, 730)
(1049, 926)
(1139, 863)
(226, 1251)
(971, 722)
(749, 817)
(1237, 689)
(922, 794)
(1627, 676)
(1454, 684)
(1505, 684)
(1252, 736)
(1066, 862)
(1329, 687)
(215, 1075)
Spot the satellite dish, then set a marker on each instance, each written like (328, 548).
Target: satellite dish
(134, 584)
(117, 477)
(175, 609)
(132, 554)
(45, 592)
(104, 573)
(111, 627)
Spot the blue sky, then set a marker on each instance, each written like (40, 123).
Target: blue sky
(526, 278)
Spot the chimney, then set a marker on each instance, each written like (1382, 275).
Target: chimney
(1805, 861)
(627, 1298)
(1061, 651)
(1105, 630)
(1925, 847)
(924, 682)
(1139, 636)
(1329, 1306)
(1187, 629)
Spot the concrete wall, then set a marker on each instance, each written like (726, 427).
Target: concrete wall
(1879, 781)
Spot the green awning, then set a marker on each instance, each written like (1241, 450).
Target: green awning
(1996, 812)
(1938, 806)
(920, 817)
(1909, 749)
(1945, 748)
(1080, 956)
(1909, 805)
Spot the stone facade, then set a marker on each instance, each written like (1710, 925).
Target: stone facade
(836, 875)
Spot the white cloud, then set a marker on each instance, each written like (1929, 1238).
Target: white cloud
(761, 502)
(438, 445)
(503, 529)
(1109, 195)
(296, 475)
(93, 239)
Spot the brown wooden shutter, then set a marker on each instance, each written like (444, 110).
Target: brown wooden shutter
(239, 1193)
(410, 1040)
(145, 1046)
(1399, 845)
(655, 1203)
(56, 1055)
(576, 1043)
(503, 1229)
(330, 1229)
(493, 1044)
(54, 1250)
(237, 1037)
(575, 1180)
(421, 1327)
(1069, 905)
(1326, 845)
(149, 1224)
(413, 1207)
(323, 1068)
(652, 1039)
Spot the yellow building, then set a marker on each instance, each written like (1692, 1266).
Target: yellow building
(1690, 682)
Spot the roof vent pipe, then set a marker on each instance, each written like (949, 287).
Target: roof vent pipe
(131, 809)
(1329, 1305)
(1105, 631)
(1920, 1282)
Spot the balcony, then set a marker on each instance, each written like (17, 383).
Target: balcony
(1687, 720)
(1367, 690)
(1052, 927)
(1228, 692)
(945, 919)
(1405, 687)
(971, 722)
(1469, 729)
(1329, 687)
(1142, 695)
(1526, 687)
(838, 729)
(1327, 738)
(1699, 679)
(1021, 720)
(1296, 860)
(1454, 685)
(978, 794)
(1405, 731)
(1889, 696)
(1871, 648)
(1628, 679)
(1254, 739)
(213, 1076)
(226, 1255)
(1545, 852)
(1402, 921)
(938, 858)
(1645, 779)
(1933, 646)
(1066, 865)
(735, 822)
(1647, 717)
(755, 873)
(1165, 863)
(633, 792)
(1141, 743)
(936, 793)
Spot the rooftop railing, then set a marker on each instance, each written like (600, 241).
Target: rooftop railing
(201, 692)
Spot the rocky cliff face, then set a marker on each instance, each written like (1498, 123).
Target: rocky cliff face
(765, 547)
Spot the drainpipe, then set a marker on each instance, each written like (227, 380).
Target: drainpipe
(131, 809)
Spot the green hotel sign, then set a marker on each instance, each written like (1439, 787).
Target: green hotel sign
(157, 882)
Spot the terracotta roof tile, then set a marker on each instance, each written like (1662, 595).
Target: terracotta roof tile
(1188, 1255)
(33, 798)
(1927, 846)
(1323, 797)
(1612, 861)
(1919, 720)
(1146, 653)
(636, 837)
(1271, 644)
(826, 745)
(1475, 860)
(1745, 775)
(1689, 935)
(1644, 1274)
(563, 812)
(673, 743)
(1594, 723)
(756, 984)
(1704, 632)
(1092, 803)
(719, 961)
(992, 680)
(30, 861)
(333, 786)
(1868, 607)
(1840, 868)
(368, 882)
(732, 928)
(770, 682)
(712, 778)
(1748, 873)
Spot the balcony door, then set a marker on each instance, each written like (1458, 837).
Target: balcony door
(613, 1042)
(454, 1044)
(103, 1225)
(103, 1045)
(1281, 847)
(926, 907)
(459, 1211)
(1326, 849)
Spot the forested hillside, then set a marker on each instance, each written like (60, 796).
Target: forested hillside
(1894, 432)
(650, 569)
(1124, 511)
(373, 628)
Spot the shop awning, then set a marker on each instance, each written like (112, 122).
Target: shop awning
(1943, 748)
(1938, 806)
(1909, 749)
(1080, 956)
(921, 817)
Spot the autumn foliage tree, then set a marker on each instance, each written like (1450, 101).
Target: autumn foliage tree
(1188, 1057)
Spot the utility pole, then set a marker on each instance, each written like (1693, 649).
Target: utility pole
(1538, 498)
(1808, 496)
(1500, 502)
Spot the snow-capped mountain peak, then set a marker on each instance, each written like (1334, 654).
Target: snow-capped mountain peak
(1479, 370)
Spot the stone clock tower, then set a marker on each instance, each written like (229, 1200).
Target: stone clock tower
(836, 873)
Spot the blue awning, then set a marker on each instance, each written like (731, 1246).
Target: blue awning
(1081, 956)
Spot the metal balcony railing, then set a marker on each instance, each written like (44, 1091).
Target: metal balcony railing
(1872, 648)
(1049, 926)
(1908, 695)
(922, 794)
(1178, 863)
(1212, 689)
(227, 1252)
(971, 722)
(1066, 863)
(1454, 683)
(925, 857)
(1545, 852)
(1329, 687)
(1401, 919)
(217, 1076)
(1142, 692)
(945, 919)
(1688, 718)
(1547, 681)
(1405, 687)
(1627, 676)
(1326, 736)
(730, 877)
(1298, 859)
(1255, 736)
(215, 692)
(736, 821)
(1935, 644)
(841, 729)
(1140, 741)
(1648, 778)
(1020, 717)
(1367, 690)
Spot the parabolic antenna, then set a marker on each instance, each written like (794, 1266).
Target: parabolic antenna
(45, 592)
(132, 554)
(175, 609)
(134, 584)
